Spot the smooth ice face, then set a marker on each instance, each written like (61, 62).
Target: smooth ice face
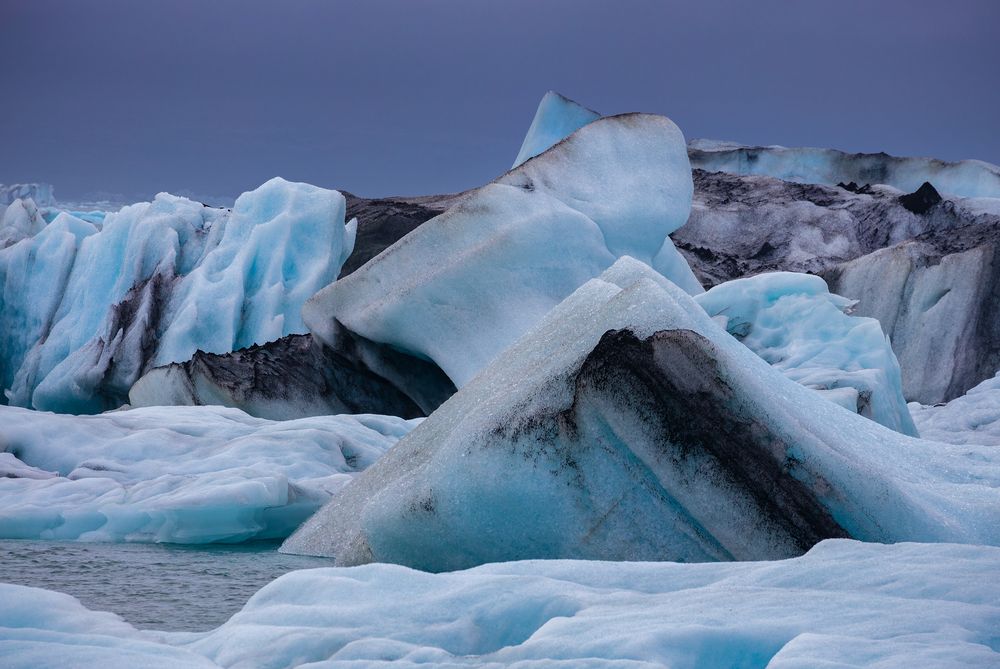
(973, 418)
(628, 425)
(556, 118)
(965, 178)
(843, 604)
(936, 300)
(466, 284)
(177, 474)
(87, 310)
(795, 324)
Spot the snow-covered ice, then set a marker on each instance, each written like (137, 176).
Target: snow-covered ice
(973, 418)
(629, 425)
(176, 474)
(86, 309)
(556, 118)
(843, 604)
(466, 284)
(795, 324)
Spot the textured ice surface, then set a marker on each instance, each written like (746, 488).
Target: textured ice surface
(844, 604)
(628, 425)
(973, 418)
(965, 178)
(794, 323)
(85, 310)
(937, 299)
(176, 474)
(19, 220)
(466, 284)
(556, 118)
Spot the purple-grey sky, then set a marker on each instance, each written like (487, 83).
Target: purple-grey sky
(381, 97)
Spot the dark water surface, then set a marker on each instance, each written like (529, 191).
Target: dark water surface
(152, 586)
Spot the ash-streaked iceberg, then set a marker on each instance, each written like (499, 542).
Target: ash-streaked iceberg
(86, 309)
(801, 329)
(176, 474)
(965, 178)
(843, 604)
(465, 285)
(628, 425)
(556, 118)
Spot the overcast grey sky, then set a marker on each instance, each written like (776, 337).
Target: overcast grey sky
(409, 96)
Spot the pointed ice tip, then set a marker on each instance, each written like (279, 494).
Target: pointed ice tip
(556, 118)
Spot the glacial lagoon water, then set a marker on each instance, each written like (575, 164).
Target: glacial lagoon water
(152, 586)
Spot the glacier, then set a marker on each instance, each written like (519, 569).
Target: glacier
(964, 178)
(556, 118)
(801, 329)
(842, 604)
(628, 425)
(176, 474)
(85, 309)
(464, 285)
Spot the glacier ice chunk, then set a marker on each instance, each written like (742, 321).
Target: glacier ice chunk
(556, 118)
(156, 282)
(628, 425)
(176, 474)
(797, 326)
(466, 284)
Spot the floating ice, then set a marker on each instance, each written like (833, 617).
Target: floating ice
(795, 324)
(85, 311)
(965, 178)
(973, 418)
(41, 194)
(176, 474)
(628, 425)
(843, 604)
(466, 284)
(556, 118)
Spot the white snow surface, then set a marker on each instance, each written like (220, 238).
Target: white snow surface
(795, 324)
(465, 285)
(843, 604)
(556, 118)
(176, 474)
(973, 418)
(964, 178)
(86, 309)
(877, 484)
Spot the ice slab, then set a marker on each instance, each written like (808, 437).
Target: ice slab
(973, 418)
(629, 425)
(176, 474)
(556, 118)
(465, 285)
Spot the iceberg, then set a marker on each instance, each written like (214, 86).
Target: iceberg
(936, 298)
(87, 309)
(628, 425)
(465, 285)
(556, 118)
(964, 178)
(842, 604)
(176, 474)
(40, 194)
(801, 329)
